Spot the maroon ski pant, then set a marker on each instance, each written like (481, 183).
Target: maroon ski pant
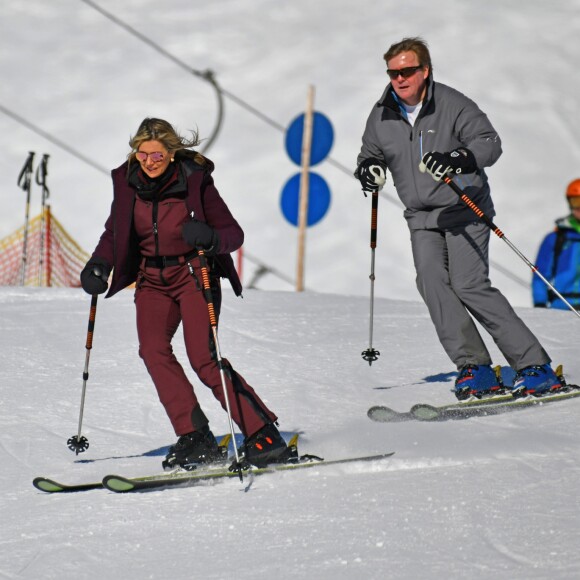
(164, 298)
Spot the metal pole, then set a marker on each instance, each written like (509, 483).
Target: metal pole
(502, 236)
(78, 443)
(41, 173)
(213, 323)
(371, 354)
(24, 181)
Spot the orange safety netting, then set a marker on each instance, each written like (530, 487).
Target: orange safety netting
(53, 258)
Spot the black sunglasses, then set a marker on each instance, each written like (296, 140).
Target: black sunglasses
(406, 72)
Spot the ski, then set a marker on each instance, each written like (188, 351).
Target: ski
(470, 407)
(121, 484)
(382, 414)
(183, 478)
(52, 486)
(424, 412)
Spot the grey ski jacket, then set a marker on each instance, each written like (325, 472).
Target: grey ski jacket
(447, 120)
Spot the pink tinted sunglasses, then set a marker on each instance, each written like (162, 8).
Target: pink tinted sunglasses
(156, 156)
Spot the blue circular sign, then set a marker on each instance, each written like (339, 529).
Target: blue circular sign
(322, 138)
(318, 199)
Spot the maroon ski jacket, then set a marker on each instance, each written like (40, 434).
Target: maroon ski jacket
(119, 245)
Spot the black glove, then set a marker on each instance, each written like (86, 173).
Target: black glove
(371, 174)
(200, 235)
(95, 275)
(440, 164)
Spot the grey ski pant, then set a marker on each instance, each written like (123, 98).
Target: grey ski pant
(453, 278)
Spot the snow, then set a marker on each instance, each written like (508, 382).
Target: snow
(487, 497)
(77, 76)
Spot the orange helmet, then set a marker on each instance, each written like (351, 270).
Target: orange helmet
(573, 189)
(573, 194)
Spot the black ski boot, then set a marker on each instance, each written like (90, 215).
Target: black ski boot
(265, 447)
(193, 449)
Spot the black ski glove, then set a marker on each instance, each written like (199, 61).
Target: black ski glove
(371, 174)
(95, 275)
(200, 235)
(438, 165)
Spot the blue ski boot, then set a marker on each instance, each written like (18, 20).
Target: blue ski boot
(476, 381)
(536, 380)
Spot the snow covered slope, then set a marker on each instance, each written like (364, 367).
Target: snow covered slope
(490, 497)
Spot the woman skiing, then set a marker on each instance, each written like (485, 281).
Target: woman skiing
(165, 209)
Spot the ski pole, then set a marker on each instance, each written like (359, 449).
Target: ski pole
(78, 443)
(41, 173)
(24, 180)
(370, 354)
(213, 323)
(503, 237)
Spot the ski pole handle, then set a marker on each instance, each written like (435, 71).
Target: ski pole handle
(374, 218)
(207, 288)
(26, 172)
(92, 316)
(42, 171)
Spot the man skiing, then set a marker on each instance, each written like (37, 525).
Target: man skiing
(421, 131)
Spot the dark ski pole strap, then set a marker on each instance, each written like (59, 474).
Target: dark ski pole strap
(26, 172)
(41, 173)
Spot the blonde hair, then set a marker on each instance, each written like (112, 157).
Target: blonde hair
(152, 129)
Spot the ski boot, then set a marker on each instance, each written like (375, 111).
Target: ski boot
(193, 449)
(267, 446)
(477, 381)
(536, 380)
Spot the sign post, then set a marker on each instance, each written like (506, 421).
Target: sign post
(304, 189)
(305, 196)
